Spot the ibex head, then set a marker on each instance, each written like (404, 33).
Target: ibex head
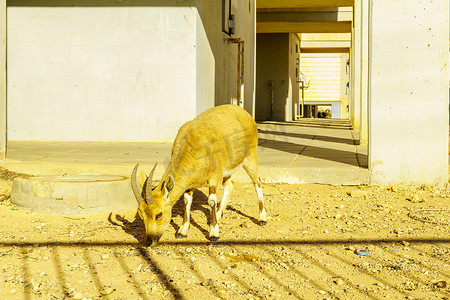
(154, 207)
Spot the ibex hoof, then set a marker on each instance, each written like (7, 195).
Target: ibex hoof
(213, 238)
(262, 223)
(180, 236)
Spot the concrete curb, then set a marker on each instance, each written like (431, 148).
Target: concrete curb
(73, 195)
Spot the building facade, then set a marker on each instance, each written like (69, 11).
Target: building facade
(107, 70)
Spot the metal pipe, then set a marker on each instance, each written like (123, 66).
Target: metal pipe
(240, 70)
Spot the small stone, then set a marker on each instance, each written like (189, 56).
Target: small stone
(405, 243)
(153, 290)
(414, 198)
(78, 295)
(106, 291)
(104, 256)
(208, 282)
(338, 281)
(410, 286)
(246, 224)
(393, 188)
(440, 284)
(322, 292)
(358, 193)
(195, 267)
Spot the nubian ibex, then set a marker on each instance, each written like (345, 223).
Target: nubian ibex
(206, 151)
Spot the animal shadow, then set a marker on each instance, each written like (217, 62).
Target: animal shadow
(135, 228)
(254, 220)
(199, 203)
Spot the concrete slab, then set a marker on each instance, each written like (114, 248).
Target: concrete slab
(308, 150)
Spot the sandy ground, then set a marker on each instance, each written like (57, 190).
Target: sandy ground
(320, 242)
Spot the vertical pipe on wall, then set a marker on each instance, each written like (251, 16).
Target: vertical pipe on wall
(240, 70)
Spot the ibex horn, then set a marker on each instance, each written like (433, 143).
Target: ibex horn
(134, 186)
(148, 186)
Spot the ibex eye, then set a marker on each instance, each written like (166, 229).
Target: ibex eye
(158, 216)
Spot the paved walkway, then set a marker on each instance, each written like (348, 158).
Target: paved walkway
(309, 150)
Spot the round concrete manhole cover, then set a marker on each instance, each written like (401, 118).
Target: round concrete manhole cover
(74, 194)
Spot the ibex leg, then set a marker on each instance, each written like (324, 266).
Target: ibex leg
(182, 231)
(251, 167)
(227, 188)
(212, 201)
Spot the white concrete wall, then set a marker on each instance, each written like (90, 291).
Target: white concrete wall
(100, 74)
(121, 71)
(205, 70)
(408, 82)
(336, 110)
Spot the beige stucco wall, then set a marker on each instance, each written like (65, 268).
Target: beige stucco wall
(324, 72)
(120, 71)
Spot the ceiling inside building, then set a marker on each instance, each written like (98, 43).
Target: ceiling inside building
(307, 16)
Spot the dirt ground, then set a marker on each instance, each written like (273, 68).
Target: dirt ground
(320, 242)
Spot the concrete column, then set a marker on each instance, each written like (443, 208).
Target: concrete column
(364, 133)
(2, 79)
(408, 91)
(355, 61)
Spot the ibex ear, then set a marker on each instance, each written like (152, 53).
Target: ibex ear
(167, 187)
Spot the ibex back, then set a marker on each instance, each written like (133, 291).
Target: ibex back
(206, 151)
